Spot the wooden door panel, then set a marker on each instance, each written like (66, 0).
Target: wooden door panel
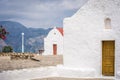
(54, 49)
(108, 50)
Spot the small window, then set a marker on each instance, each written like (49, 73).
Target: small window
(54, 33)
(107, 23)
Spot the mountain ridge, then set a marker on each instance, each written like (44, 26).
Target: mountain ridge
(14, 37)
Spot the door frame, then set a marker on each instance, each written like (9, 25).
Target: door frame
(102, 55)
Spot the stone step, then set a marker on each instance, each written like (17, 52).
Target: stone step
(62, 78)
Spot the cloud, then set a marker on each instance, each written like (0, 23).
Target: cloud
(38, 13)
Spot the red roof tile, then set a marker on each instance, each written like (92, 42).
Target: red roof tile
(60, 30)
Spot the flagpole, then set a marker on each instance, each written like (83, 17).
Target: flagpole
(22, 42)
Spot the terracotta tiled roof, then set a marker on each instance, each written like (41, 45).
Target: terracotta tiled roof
(60, 30)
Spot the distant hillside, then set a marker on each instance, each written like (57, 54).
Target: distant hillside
(33, 37)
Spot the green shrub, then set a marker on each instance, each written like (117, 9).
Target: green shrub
(7, 49)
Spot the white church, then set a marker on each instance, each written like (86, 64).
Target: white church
(94, 49)
(53, 43)
(91, 41)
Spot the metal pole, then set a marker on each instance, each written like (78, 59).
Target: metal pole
(22, 42)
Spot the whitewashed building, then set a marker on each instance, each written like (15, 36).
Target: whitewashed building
(53, 43)
(92, 40)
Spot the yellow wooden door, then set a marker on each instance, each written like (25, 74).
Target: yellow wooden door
(108, 52)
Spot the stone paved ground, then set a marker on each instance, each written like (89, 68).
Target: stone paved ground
(7, 64)
(61, 78)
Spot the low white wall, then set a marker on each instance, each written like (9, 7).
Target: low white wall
(45, 72)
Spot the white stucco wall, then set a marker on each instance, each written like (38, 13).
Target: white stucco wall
(85, 31)
(53, 37)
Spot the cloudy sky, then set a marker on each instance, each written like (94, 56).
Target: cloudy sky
(38, 13)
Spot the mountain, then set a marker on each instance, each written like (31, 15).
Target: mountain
(33, 36)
